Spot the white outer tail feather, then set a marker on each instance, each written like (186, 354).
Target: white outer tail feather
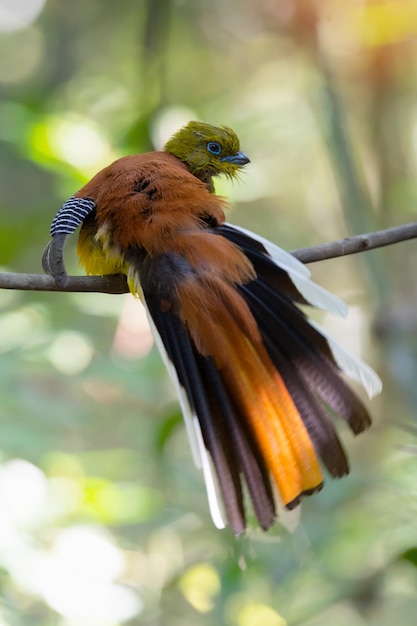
(318, 296)
(210, 482)
(198, 449)
(300, 275)
(281, 257)
(322, 299)
(351, 365)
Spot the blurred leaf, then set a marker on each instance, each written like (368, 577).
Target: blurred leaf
(410, 556)
(166, 429)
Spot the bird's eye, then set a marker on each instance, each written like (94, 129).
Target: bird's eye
(214, 147)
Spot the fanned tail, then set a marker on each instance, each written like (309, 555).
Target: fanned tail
(262, 381)
(249, 422)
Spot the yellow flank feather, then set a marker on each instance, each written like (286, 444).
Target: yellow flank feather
(96, 255)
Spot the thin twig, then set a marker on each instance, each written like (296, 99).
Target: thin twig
(357, 243)
(117, 284)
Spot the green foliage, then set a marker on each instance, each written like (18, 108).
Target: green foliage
(103, 517)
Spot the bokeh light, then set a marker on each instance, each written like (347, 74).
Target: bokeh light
(78, 142)
(23, 492)
(70, 352)
(19, 14)
(200, 585)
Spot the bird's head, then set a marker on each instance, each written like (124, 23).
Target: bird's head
(208, 150)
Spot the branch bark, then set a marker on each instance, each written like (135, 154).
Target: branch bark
(357, 243)
(117, 284)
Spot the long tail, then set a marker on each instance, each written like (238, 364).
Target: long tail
(258, 383)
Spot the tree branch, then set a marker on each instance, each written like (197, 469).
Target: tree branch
(117, 284)
(41, 282)
(357, 243)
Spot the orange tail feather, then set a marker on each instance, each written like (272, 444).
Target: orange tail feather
(255, 387)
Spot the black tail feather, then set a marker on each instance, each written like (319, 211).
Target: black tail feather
(304, 349)
(182, 354)
(244, 449)
(263, 264)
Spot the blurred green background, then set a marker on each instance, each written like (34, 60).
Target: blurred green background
(103, 517)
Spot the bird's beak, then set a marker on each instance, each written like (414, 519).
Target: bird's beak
(239, 158)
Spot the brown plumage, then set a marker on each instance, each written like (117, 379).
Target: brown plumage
(260, 382)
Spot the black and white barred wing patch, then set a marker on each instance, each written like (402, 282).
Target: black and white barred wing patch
(72, 213)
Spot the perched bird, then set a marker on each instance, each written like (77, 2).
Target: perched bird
(258, 383)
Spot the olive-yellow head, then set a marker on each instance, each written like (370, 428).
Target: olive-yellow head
(208, 150)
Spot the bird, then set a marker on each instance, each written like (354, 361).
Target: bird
(259, 384)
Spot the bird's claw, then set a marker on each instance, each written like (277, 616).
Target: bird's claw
(53, 260)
